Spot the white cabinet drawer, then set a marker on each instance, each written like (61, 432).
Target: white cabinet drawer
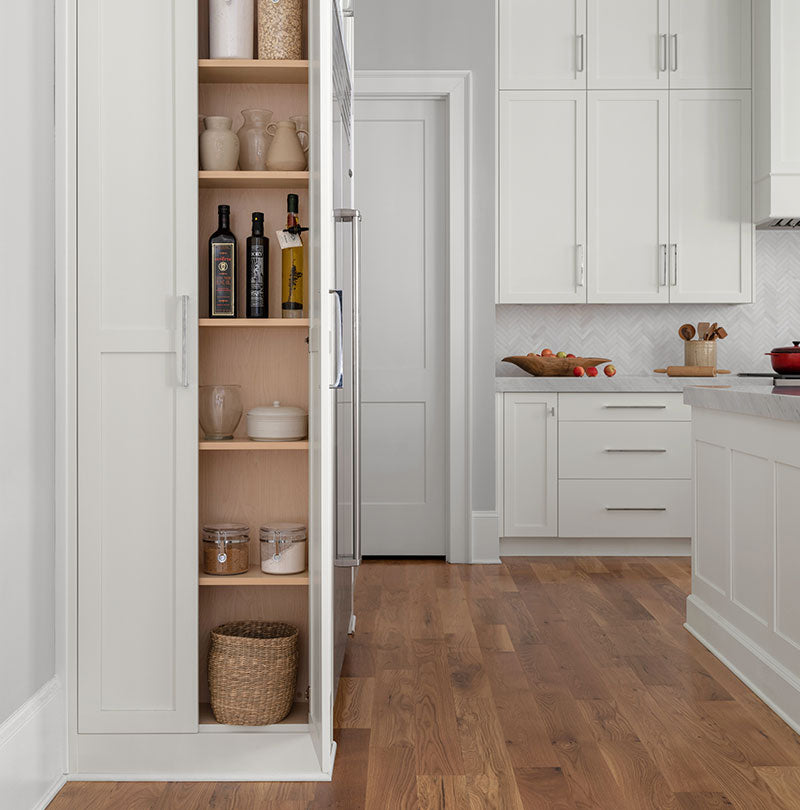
(623, 408)
(624, 508)
(625, 450)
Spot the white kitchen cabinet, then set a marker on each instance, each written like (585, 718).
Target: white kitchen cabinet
(711, 231)
(530, 466)
(542, 212)
(628, 196)
(709, 44)
(627, 44)
(542, 44)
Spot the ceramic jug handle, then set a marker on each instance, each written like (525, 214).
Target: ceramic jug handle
(272, 128)
(307, 139)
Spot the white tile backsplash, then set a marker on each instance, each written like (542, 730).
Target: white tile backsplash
(641, 337)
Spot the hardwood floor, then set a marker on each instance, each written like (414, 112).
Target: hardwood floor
(540, 683)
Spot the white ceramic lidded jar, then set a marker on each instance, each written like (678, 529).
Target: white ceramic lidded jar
(230, 29)
(219, 146)
(278, 423)
(283, 548)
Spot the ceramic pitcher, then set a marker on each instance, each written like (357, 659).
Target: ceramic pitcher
(301, 124)
(254, 140)
(286, 153)
(219, 147)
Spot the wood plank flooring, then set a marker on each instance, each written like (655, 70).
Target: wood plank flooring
(539, 683)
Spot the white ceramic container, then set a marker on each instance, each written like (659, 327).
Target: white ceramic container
(283, 548)
(230, 29)
(277, 423)
(219, 146)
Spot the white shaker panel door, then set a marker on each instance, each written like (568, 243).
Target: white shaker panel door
(530, 466)
(542, 186)
(403, 317)
(628, 196)
(711, 231)
(542, 44)
(709, 44)
(137, 396)
(627, 42)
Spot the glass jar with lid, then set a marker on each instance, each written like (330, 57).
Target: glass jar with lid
(226, 548)
(283, 548)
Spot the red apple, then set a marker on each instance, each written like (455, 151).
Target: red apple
(609, 370)
(570, 355)
(547, 353)
(578, 371)
(591, 371)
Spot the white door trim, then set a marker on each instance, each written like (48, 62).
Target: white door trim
(455, 88)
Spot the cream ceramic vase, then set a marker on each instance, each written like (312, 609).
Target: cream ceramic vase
(286, 153)
(254, 140)
(219, 147)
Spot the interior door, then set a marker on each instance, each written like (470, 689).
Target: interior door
(628, 193)
(542, 226)
(403, 322)
(137, 378)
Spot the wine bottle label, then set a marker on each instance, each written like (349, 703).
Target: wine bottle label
(288, 240)
(224, 274)
(255, 270)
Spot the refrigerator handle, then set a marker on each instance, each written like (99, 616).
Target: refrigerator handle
(339, 340)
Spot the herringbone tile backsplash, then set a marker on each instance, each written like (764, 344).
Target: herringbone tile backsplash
(641, 337)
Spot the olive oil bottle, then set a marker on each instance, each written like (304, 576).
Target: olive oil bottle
(292, 263)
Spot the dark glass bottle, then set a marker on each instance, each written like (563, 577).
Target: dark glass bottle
(257, 269)
(222, 267)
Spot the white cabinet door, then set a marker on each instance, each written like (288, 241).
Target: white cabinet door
(709, 44)
(137, 395)
(542, 228)
(711, 232)
(628, 196)
(542, 44)
(627, 44)
(530, 466)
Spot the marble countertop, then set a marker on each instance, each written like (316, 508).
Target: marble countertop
(752, 399)
(655, 383)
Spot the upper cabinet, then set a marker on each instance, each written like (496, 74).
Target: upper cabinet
(542, 44)
(624, 44)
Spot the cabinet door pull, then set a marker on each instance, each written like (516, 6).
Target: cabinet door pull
(674, 59)
(634, 450)
(638, 407)
(663, 280)
(579, 55)
(636, 509)
(580, 266)
(552, 410)
(675, 264)
(662, 53)
(182, 353)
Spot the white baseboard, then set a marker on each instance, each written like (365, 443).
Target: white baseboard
(32, 750)
(773, 682)
(595, 547)
(485, 534)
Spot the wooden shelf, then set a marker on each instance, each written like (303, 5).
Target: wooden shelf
(239, 179)
(252, 71)
(249, 444)
(296, 720)
(255, 323)
(254, 577)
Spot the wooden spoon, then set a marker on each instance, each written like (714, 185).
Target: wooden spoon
(687, 331)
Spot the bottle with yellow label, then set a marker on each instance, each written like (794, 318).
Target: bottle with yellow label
(293, 264)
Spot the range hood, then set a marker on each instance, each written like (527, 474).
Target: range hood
(776, 114)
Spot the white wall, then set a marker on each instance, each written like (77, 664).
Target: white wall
(27, 489)
(454, 35)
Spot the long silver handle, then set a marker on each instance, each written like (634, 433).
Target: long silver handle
(339, 382)
(663, 281)
(674, 58)
(633, 450)
(637, 407)
(579, 58)
(662, 53)
(580, 265)
(182, 351)
(675, 264)
(636, 509)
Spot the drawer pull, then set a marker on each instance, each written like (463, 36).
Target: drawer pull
(636, 509)
(638, 407)
(634, 450)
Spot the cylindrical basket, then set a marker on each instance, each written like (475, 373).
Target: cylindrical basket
(700, 353)
(252, 672)
(280, 29)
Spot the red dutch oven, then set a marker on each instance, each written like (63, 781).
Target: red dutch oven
(786, 359)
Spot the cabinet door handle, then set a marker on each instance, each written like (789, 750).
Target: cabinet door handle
(638, 407)
(633, 450)
(182, 353)
(636, 509)
(339, 381)
(662, 53)
(580, 267)
(579, 54)
(674, 58)
(552, 410)
(675, 264)
(663, 281)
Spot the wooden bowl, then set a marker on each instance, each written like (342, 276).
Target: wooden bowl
(553, 366)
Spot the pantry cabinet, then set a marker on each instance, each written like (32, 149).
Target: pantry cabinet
(542, 207)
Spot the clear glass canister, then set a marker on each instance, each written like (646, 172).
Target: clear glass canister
(283, 548)
(226, 548)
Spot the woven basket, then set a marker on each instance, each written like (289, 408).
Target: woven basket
(252, 672)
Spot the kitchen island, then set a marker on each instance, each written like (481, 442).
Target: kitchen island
(745, 600)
